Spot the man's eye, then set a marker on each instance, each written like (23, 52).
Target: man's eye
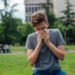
(38, 29)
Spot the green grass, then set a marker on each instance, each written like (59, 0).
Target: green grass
(14, 65)
(18, 48)
(69, 47)
(18, 65)
(68, 65)
(23, 49)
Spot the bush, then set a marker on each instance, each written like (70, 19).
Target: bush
(25, 29)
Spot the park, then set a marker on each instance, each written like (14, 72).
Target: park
(14, 33)
(17, 64)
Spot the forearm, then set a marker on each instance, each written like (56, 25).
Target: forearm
(33, 57)
(58, 53)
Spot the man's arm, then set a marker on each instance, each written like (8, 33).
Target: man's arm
(58, 51)
(33, 54)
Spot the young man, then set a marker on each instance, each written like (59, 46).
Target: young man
(45, 47)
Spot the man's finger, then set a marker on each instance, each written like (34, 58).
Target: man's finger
(44, 34)
(44, 31)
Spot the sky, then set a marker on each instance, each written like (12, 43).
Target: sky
(20, 7)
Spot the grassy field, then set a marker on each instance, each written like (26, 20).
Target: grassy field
(69, 47)
(18, 65)
(14, 65)
(23, 49)
(17, 48)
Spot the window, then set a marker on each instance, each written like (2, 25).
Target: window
(27, 9)
(29, 18)
(26, 18)
(33, 10)
(36, 8)
(39, 8)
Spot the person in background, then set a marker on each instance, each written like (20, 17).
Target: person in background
(45, 47)
(6, 48)
(0, 47)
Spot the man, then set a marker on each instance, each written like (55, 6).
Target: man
(45, 47)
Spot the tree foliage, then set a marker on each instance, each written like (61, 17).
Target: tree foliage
(25, 30)
(50, 15)
(9, 23)
(69, 15)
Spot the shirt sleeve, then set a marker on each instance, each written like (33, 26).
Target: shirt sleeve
(60, 39)
(29, 44)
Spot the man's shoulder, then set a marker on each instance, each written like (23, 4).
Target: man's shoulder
(31, 35)
(55, 31)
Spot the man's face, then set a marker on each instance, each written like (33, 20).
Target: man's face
(41, 26)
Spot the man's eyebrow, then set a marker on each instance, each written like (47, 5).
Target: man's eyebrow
(41, 28)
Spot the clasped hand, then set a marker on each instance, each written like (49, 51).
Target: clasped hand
(43, 34)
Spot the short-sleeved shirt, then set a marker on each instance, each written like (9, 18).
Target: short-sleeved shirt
(46, 59)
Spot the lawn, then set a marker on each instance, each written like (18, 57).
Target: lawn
(23, 49)
(69, 47)
(17, 48)
(18, 65)
(14, 65)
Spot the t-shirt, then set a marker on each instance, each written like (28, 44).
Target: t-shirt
(46, 59)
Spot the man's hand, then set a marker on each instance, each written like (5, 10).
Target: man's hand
(45, 35)
(39, 38)
(33, 54)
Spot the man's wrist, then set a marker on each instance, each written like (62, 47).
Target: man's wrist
(38, 45)
(49, 43)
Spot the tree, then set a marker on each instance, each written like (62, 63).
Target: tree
(25, 29)
(46, 5)
(9, 23)
(68, 21)
(1, 34)
(51, 19)
(68, 32)
(69, 15)
(59, 25)
(12, 32)
(50, 15)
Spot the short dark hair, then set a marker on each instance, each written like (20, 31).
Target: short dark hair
(38, 17)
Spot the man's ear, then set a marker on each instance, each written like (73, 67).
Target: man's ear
(35, 29)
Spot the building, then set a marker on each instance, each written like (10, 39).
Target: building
(33, 6)
(60, 5)
(57, 6)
